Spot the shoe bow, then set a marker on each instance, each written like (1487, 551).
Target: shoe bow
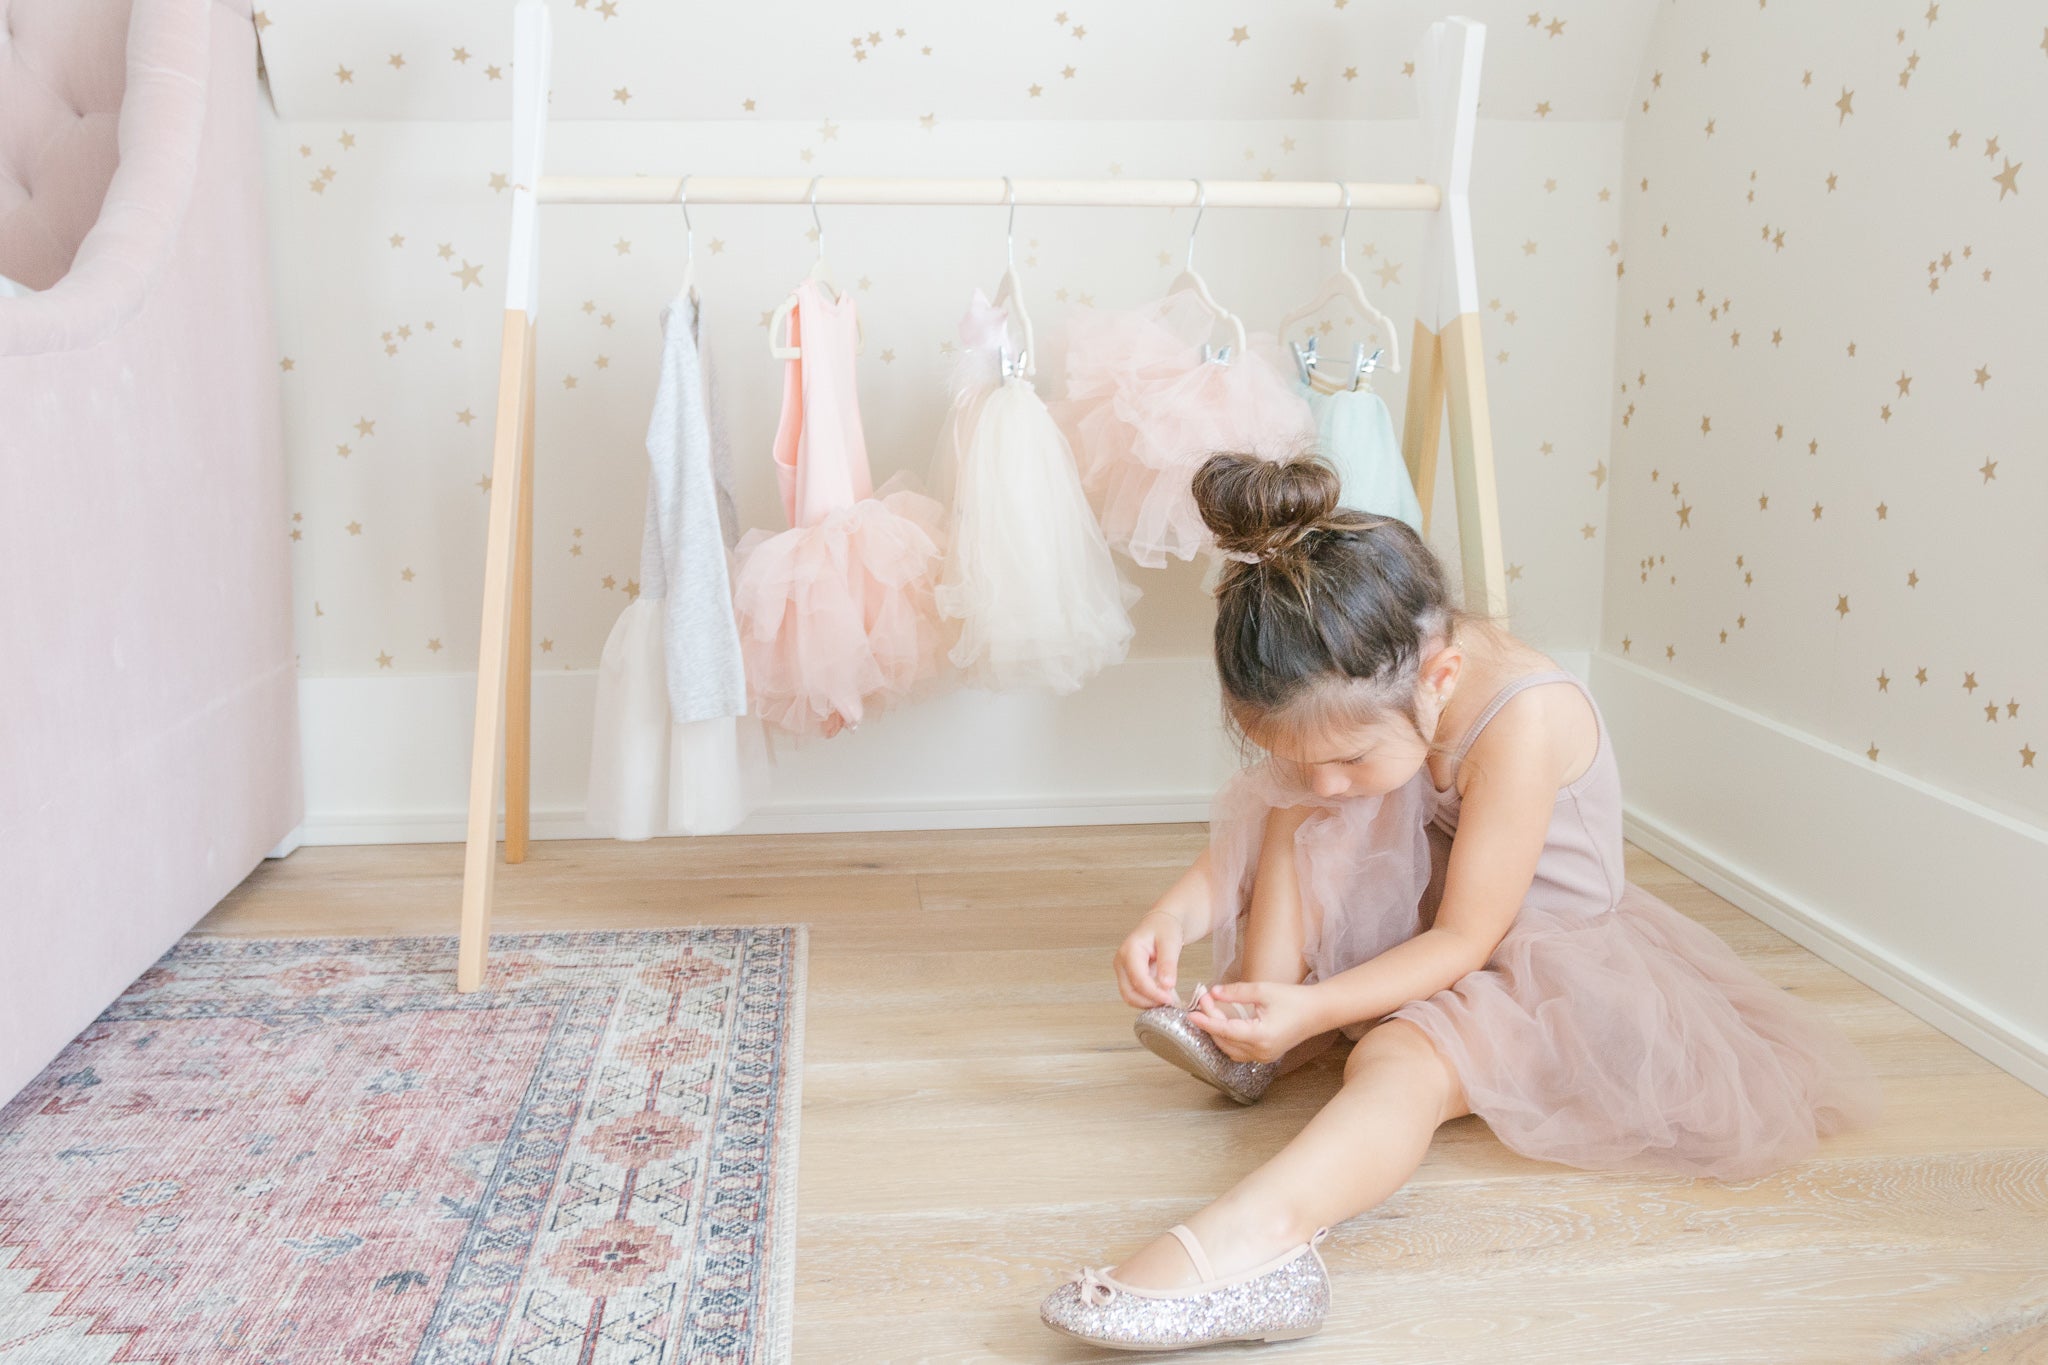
(1095, 1287)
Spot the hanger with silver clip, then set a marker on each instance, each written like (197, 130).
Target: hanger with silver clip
(1344, 285)
(820, 272)
(1020, 364)
(1196, 285)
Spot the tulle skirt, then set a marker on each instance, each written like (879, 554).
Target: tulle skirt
(649, 775)
(1143, 410)
(1356, 434)
(1028, 581)
(1621, 1037)
(837, 619)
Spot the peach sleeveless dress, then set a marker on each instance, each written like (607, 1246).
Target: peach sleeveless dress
(1607, 1031)
(836, 615)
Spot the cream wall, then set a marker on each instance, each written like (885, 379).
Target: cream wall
(1827, 441)
(1822, 649)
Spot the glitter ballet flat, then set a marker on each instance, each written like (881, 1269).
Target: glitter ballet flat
(1282, 1300)
(1165, 1030)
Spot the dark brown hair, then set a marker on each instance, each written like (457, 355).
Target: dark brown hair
(1324, 613)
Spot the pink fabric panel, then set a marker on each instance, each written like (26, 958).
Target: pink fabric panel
(148, 716)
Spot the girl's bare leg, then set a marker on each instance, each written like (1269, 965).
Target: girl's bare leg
(1273, 931)
(1361, 1147)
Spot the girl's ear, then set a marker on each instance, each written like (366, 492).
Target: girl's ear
(1439, 672)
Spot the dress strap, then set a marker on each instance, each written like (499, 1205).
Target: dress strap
(1502, 698)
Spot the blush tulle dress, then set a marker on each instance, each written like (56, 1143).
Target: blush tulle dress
(1029, 583)
(1144, 409)
(836, 614)
(1607, 1031)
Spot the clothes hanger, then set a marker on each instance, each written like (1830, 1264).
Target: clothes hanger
(1344, 284)
(689, 289)
(822, 273)
(1332, 379)
(1010, 294)
(1196, 285)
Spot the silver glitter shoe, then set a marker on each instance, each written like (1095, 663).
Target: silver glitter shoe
(1282, 1300)
(1165, 1030)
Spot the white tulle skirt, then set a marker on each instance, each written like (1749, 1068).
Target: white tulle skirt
(1028, 583)
(650, 776)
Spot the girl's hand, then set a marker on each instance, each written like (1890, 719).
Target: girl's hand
(1282, 1017)
(1146, 962)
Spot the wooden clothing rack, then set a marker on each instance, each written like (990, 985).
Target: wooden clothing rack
(1446, 362)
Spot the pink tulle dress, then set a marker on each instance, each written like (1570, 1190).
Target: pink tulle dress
(836, 614)
(1607, 1031)
(1144, 409)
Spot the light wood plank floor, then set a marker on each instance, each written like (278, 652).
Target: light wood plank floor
(977, 1119)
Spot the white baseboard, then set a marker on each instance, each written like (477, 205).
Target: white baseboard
(387, 758)
(1931, 899)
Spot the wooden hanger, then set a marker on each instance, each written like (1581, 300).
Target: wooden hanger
(1343, 285)
(1196, 285)
(1010, 295)
(820, 272)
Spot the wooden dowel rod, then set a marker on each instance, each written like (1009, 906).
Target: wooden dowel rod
(984, 192)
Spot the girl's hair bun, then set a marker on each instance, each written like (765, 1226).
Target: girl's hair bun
(1258, 508)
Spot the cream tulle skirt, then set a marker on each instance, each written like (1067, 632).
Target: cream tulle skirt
(650, 776)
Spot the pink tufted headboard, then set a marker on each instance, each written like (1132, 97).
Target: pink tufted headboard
(63, 67)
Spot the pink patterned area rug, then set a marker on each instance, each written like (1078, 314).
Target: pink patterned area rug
(287, 1151)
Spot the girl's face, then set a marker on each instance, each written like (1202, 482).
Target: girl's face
(1365, 760)
(1376, 756)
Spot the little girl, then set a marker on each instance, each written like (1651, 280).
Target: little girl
(1429, 860)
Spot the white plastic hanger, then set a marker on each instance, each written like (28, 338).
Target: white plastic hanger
(689, 289)
(822, 273)
(1010, 294)
(1344, 284)
(1196, 285)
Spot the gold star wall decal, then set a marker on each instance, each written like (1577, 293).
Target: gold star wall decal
(1299, 87)
(1240, 36)
(1983, 375)
(1841, 604)
(468, 275)
(466, 417)
(1969, 682)
(2007, 180)
(397, 61)
(1872, 751)
(1846, 104)
(344, 76)
(1989, 469)
(383, 660)
(2027, 750)
(1884, 684)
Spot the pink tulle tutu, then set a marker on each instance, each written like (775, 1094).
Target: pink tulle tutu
(836, 619)
(836, 614)
(1607, 1031)
(1143, 410)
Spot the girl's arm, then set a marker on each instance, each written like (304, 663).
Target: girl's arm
(1512, 776)
(1147, 963)
(1502, 825)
